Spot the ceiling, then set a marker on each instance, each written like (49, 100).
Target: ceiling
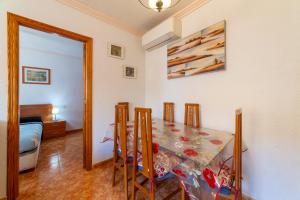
(132, 13)
(50, 36)
(49, 42)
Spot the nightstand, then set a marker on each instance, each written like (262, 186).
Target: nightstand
(53, 129)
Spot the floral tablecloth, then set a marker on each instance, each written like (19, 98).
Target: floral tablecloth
(197, 148)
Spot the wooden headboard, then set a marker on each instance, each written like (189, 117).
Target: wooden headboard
(42, 110)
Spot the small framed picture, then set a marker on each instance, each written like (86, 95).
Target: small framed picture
(36, 75)
(116, 51)
(129, 72)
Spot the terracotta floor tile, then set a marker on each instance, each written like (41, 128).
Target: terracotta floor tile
(59, 175)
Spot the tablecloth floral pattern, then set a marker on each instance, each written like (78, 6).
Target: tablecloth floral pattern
(197, 148)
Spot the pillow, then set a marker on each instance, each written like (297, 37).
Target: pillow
(30, 119)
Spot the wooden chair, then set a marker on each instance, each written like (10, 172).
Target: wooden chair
(169, 111)
(126, 104)
(143, 120)
(236, 168)
(120, 160)
(191, 115)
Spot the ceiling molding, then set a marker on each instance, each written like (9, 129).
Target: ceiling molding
(190, 8)
(122, 25)
(101, 16)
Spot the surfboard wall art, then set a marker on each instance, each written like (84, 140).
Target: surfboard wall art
(201, 52)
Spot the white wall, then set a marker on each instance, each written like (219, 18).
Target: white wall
(64, 58)
(262, 76)
(109, 86)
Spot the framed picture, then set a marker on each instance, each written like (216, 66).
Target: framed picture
(35, 75)
(199, 53)
(116, 51)
(129, 72)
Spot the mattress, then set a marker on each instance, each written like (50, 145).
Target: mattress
(30, 136)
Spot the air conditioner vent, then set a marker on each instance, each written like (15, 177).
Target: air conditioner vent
(164, 33)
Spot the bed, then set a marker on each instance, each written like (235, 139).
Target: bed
(31, 129)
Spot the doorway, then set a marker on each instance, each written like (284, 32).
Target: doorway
(14, 23)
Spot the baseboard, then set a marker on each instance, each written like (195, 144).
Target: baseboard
(74, 131)
(99, 164)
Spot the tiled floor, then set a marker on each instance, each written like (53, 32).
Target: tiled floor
(59, 175)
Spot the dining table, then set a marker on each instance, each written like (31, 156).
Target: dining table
(193, 149)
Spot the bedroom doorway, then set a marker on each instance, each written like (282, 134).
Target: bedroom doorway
(50, 102)
(14, 24)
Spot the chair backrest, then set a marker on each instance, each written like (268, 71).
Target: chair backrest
(120, 130)
(126, 104)
(191, 115)
(169, 111)
(237, 153)
(143, 122)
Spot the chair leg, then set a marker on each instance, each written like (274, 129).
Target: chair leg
(114, 172)
(182, 191)
(133, 191)
(133, 180)
(152, 195)
(126, 180)
(152, 190)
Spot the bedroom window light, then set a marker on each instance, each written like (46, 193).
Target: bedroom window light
(55, 111)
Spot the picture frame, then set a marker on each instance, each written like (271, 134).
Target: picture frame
(115, 50)
(36, 75)
(129, 72)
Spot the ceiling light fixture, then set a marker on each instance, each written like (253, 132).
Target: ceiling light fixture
(159, 5)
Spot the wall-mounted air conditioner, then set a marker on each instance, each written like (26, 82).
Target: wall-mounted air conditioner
(169, 30)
